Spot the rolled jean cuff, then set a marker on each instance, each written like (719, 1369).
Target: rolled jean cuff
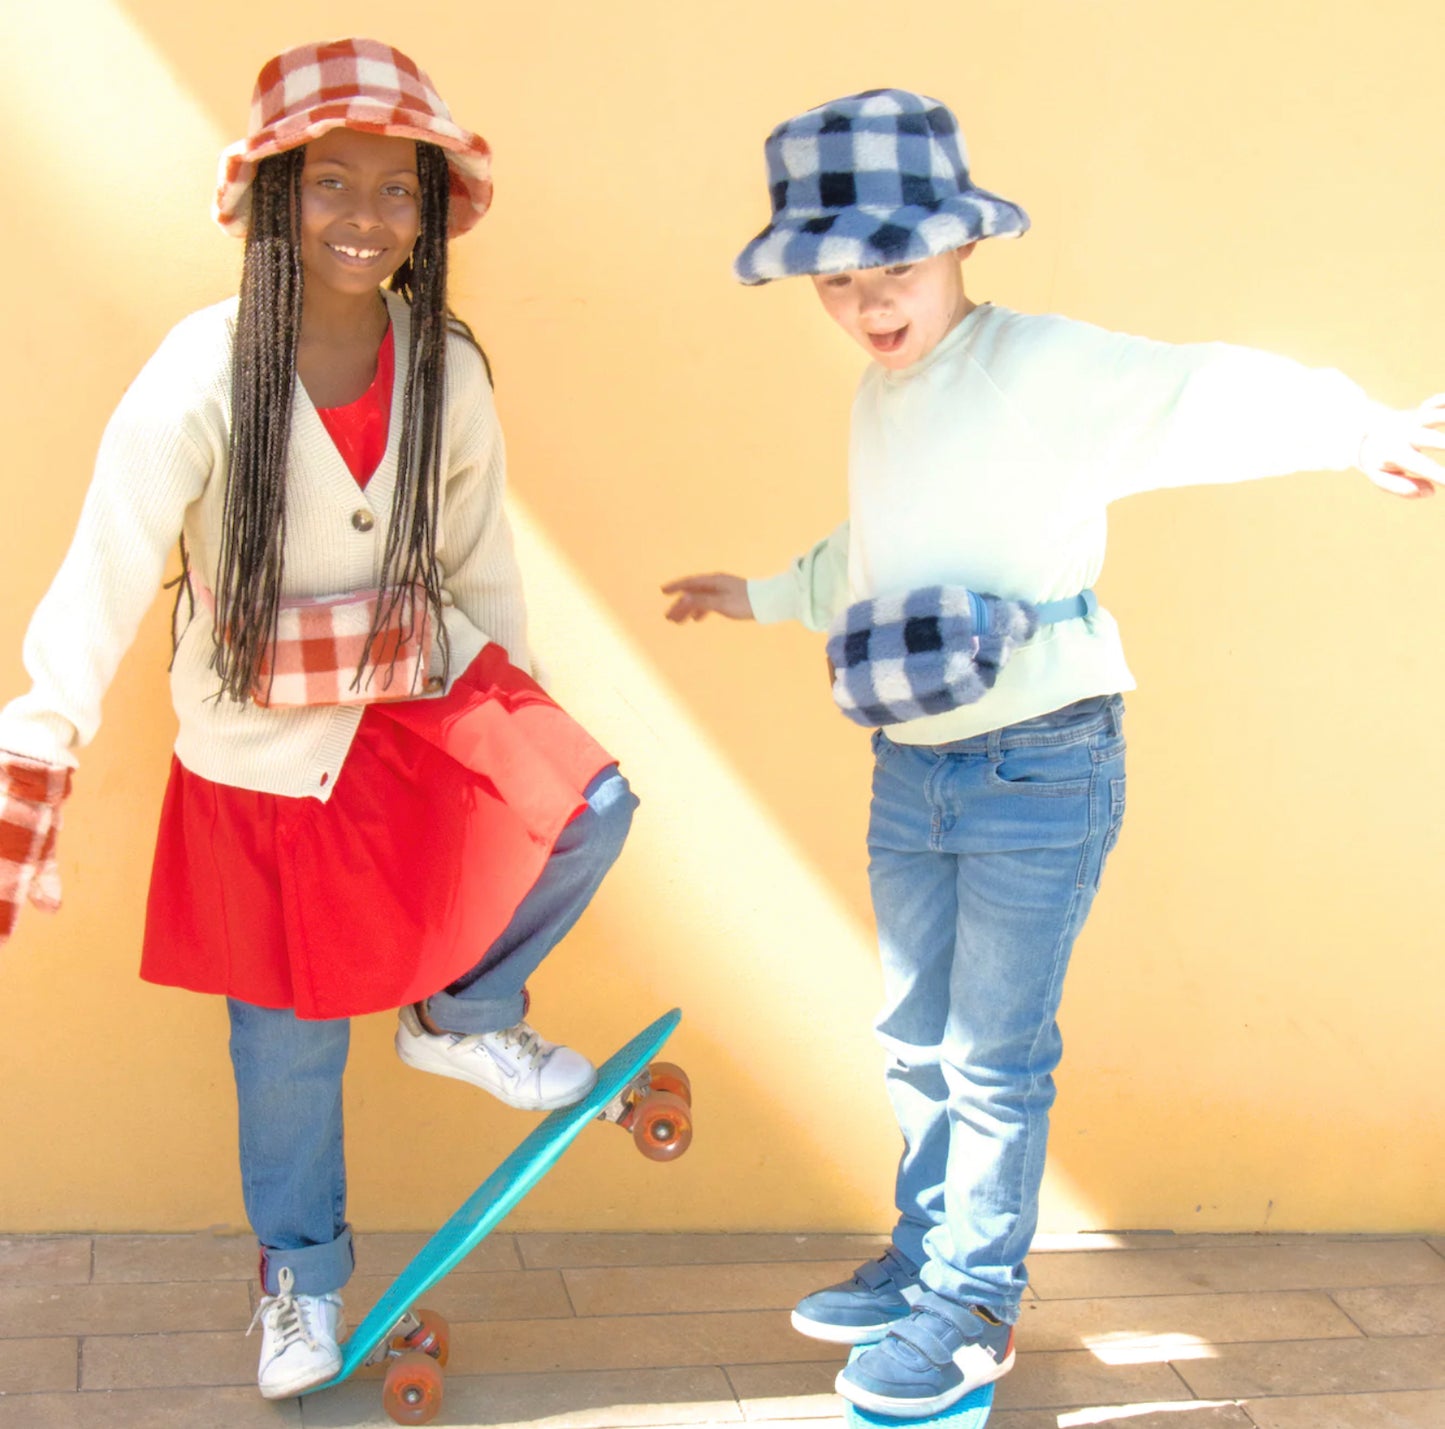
(467, 1016)
(318, 1269)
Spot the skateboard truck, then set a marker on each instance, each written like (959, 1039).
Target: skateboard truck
(656, 1107)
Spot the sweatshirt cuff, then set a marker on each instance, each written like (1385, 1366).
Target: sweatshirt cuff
(43, 736)
(775, 599)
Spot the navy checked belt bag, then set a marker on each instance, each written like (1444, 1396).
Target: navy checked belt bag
(901, 657)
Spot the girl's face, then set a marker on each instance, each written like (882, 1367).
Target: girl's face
(360, 210)
(898, 314)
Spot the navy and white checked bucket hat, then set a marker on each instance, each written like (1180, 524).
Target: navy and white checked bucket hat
(874, 179)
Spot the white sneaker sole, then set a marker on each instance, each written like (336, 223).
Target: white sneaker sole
(440, 1067)
(917, 1408)
(843, 1334)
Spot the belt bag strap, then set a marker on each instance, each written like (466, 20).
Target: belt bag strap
(1072, 608)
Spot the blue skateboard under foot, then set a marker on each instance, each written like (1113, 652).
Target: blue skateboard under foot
(491, 1201)
(970, 1412)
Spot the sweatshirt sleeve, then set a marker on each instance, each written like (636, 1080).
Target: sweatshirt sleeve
(813, 589)
(1146, 415)
(478, 559)
(155, 458)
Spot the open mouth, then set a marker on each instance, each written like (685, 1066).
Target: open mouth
(888, 341)
(355, 257)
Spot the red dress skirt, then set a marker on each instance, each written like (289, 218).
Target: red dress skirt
(441, 820)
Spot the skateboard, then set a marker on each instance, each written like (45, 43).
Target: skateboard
(652, 1100)
(970, 1412)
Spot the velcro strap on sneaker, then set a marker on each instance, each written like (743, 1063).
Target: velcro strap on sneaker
(919, 1332)
(874, 1275)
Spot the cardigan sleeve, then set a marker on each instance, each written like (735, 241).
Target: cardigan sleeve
(155, 458)
(813, 589)
(476, 550)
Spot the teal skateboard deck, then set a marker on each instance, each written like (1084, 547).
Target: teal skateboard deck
(660, 1121)
(970, 1412)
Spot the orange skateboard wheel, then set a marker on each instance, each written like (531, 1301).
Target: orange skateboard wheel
(669, 1077)
(662, 1126)
(412, 1392)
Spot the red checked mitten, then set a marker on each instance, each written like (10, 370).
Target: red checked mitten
(31, 793)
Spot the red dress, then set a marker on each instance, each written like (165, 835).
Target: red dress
(444, 814)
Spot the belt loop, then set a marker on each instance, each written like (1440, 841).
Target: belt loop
(995, 745)
(1116, 715)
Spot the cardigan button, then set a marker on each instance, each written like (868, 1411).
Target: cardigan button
(363, 520)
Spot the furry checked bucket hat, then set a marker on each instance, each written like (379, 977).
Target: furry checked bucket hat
(877, 178)
(355, 84)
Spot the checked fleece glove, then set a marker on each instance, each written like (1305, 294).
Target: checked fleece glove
(31, 793)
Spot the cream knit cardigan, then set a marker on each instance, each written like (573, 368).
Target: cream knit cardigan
(161, 471)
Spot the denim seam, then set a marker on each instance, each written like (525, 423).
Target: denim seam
(931, 780)
(1067, 936)
(1086, 849)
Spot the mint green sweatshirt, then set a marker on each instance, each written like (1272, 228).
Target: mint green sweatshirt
(991, 463)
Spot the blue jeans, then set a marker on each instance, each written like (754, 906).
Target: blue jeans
(984, 858)
(288, 1069)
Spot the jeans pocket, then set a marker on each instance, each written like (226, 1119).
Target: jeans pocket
(1047, 770)
(883, 748)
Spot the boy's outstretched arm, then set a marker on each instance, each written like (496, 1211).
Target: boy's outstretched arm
(717, 594)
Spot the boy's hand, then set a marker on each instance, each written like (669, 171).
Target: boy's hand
(1392, 453)
(717, 594)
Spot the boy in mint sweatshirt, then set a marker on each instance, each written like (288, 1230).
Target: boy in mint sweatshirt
(986, 446)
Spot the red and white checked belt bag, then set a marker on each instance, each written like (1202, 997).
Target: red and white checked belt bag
(316, 657)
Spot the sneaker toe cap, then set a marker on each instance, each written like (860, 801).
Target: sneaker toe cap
(567, 1076)
(895, 1370)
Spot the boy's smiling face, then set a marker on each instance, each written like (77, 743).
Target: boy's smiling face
(898, 314)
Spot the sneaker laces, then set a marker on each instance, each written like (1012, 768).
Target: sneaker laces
(290, 1322)
(525, 1039)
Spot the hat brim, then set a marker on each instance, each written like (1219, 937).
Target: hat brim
(469, 159)
(801, 244)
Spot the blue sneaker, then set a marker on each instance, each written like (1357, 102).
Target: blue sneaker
(929, 1361)
(861, 1310)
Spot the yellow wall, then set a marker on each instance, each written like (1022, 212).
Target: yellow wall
(1253, 1017)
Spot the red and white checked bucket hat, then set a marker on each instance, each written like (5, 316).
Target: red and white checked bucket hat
(356, 84)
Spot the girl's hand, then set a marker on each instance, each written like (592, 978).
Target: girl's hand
(1392, 453)
(31, 793)
(717, 594)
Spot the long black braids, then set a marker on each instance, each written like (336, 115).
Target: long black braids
(250, 563)
(263, 386)
(409, 560)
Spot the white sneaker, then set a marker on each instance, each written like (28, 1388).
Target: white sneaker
(298, 1339)
(516, 1065)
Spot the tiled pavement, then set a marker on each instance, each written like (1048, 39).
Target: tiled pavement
(1140, 1331)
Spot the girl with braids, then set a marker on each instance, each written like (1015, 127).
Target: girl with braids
(371, 804)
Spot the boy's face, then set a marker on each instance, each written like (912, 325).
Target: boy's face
(898, 314)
